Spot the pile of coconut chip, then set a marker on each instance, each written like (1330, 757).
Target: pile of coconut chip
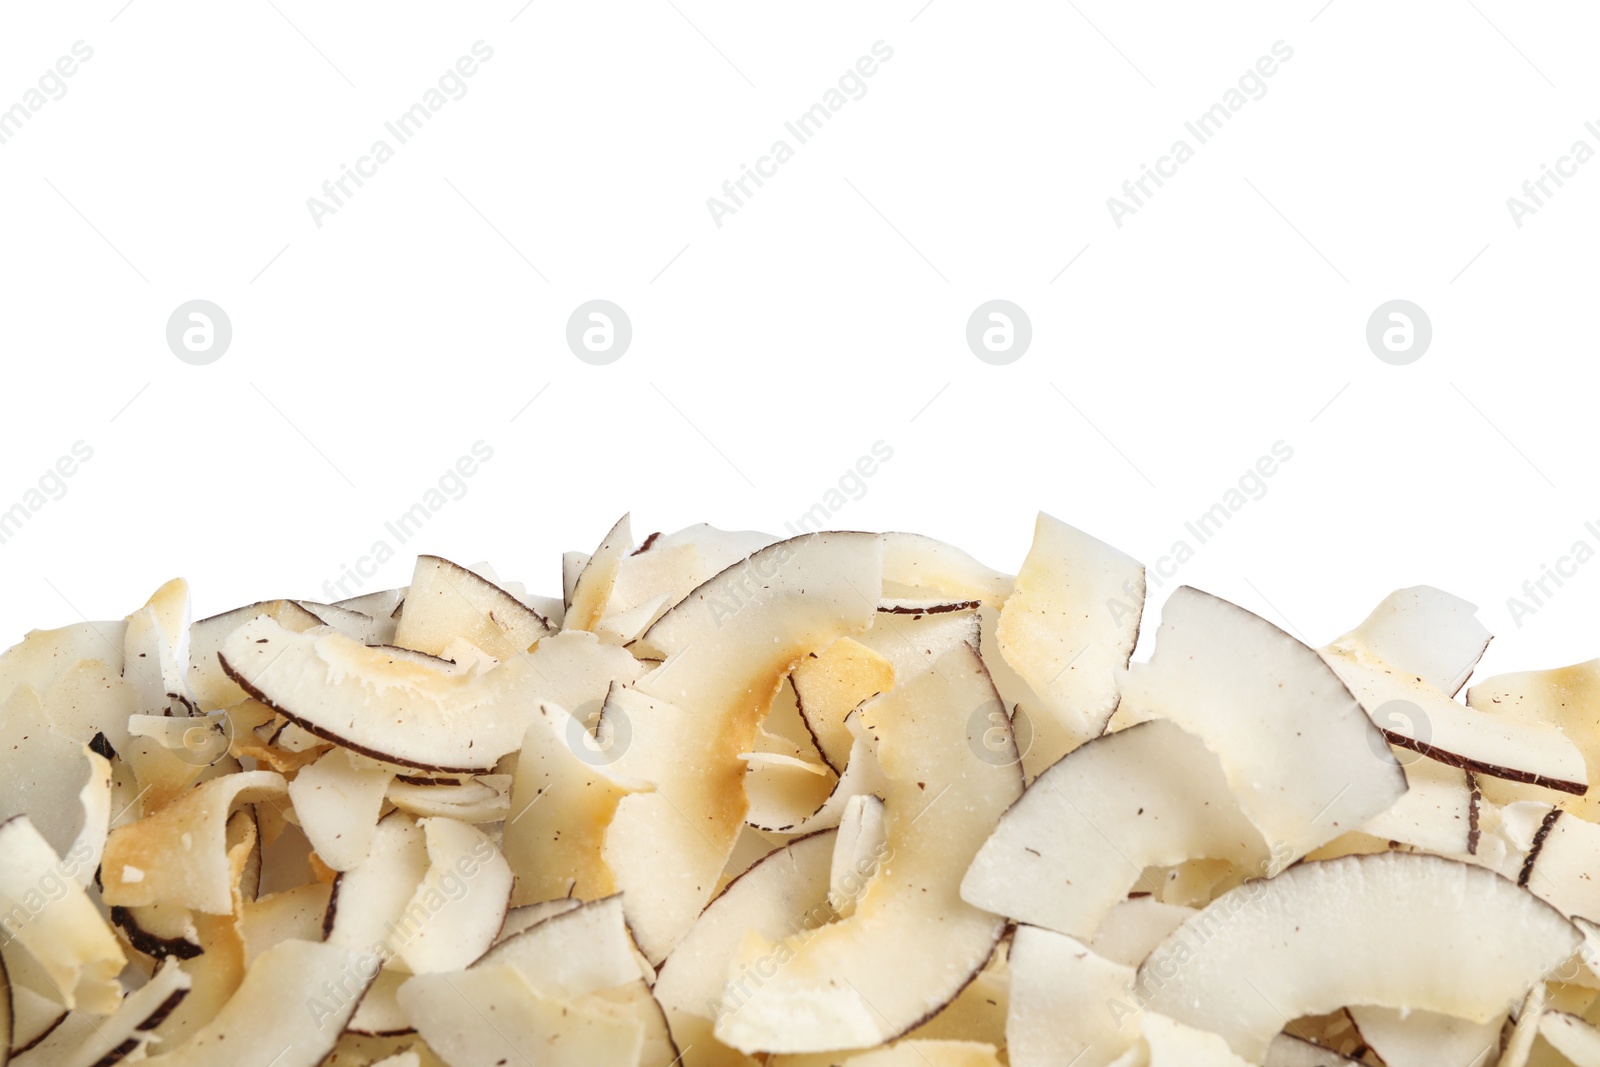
(846, 798)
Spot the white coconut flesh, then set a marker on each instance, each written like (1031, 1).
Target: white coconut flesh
(1068, 1003)
(1303, 758)
(1427, 1039)
(1571, 1036)
(51, 918)
(1082, 835)
(85, 1041)
(1068, 630)
(461, 902)
(790, 774)
(432, 715)
(783, 894)
(1395, 930)
(338, 800)
(1394, 667)
(367, 629)
(310, 991)
(1563, 698)
(447, 601)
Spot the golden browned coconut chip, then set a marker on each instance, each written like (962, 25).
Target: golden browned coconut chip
(592, 585)
(1068, 630)
(562, 800)
(48, 914)
(179, 855)
(727, 647)
(837, 988)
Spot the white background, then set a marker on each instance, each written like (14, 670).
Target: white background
(828, 313)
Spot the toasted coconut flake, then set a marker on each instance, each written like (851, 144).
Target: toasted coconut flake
(449, 1012)
(278, 917)
(48, 913)
(1305, 761)
(1425, 1038)
(462, 899)
(922, 727)
(380, 1013)
(591, 588)
(863, 842)
(568, 956)
(915, 565)
(481, 799)
(338, 802)
(383, 604)
(213, 688)
(830, 685)
(1075, 844)
(122, 1036)
(1133, 929)
(1417, 714)
(63, 786)
(791, 599)
(35, 1009)
(1394, 930)
(562, 800)
(782, 893)
(1571, 1036)
(289, 1011)
(432, 715)
(1424, 632)
(447, 601)
(1068, 630)
(1559, 698)
(1559, 855)
(1068, 1005)
(368, 906)
(530, 915)
(179, 854)
(363, 627)
(784, 790)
